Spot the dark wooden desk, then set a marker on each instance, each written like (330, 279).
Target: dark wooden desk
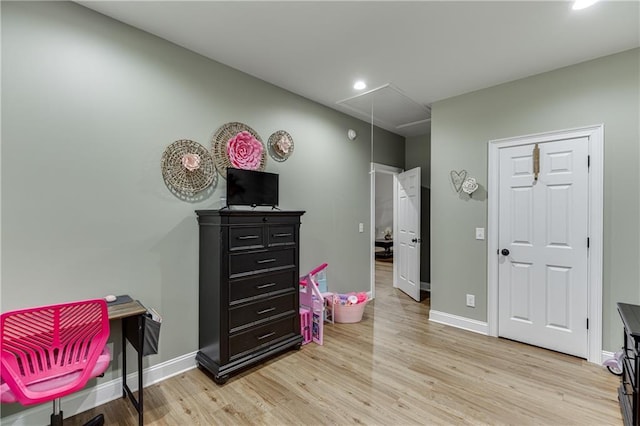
(131, 314)
(387, 245)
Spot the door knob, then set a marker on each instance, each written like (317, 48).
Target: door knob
(416, 240)
(505, 252)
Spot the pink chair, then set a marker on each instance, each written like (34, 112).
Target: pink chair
(52, 351)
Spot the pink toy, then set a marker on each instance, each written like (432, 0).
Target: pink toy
(319, 304)
(305, 325)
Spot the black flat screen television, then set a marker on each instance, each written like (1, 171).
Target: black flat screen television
(251, 188)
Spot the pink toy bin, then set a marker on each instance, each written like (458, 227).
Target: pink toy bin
(349, 313)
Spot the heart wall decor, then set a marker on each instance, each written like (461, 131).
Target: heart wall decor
(457, 178)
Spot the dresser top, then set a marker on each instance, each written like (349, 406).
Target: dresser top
(249, 213)
(630, 315)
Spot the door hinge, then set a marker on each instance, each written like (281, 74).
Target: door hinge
(588, 241)
(588, 161)
(587, 323)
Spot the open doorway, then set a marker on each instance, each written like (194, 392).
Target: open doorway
(382, 221)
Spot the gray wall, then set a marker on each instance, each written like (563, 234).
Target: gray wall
(418, 154)
(88, 107)
(388, 148)
(604, 90)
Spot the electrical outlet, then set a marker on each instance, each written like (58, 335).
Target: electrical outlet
(361, 227)
(479, 233)
(471, 300)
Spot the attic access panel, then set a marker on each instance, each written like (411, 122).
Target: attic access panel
(392, 109)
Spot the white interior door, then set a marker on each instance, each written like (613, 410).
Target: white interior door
(542, 272)
(406, 242)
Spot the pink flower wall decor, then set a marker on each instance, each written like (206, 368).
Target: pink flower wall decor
(244, 151)
(191, 162)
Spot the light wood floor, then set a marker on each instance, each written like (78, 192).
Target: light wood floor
(393, 368)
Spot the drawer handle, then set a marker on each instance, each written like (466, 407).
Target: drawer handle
(265, 261)
(264, 311)
(283, 235)
(266, 335)
(248, 237)
(260, 287)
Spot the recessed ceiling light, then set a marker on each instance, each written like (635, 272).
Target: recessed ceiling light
(359, 85)
(583, 4)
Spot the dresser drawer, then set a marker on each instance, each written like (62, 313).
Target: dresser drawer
(248, 288)
(261, 336)
(629, 375)
(246, 237)
(630, 350)
(263, 219)
(260, 261)
(628, 381)
(262, 310)
(281, 235)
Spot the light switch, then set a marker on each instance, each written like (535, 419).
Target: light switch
(479, 233)
(361, 227)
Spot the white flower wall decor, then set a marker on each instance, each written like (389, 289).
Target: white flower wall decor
(469, 186)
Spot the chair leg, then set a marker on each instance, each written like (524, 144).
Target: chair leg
(56, 416)
(96, 421)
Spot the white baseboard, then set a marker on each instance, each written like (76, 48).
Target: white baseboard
(606, 355)
(479, 326)
(459, 322)
(103, 393)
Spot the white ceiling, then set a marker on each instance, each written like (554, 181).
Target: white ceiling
(426, 51)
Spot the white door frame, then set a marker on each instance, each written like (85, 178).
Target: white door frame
(380, 168)
(595, 137)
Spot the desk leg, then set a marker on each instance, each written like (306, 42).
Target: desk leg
(140, 350)
(124, 361)
(134, 332)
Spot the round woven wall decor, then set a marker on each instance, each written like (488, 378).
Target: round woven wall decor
(280, 145)
(257, 158)
(187, 167)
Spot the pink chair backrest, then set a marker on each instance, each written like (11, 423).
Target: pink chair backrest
(44, 343)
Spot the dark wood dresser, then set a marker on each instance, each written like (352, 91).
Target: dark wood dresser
(629, 391)
(249, 297)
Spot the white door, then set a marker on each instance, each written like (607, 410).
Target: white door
(406, 240)
(542, 272)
